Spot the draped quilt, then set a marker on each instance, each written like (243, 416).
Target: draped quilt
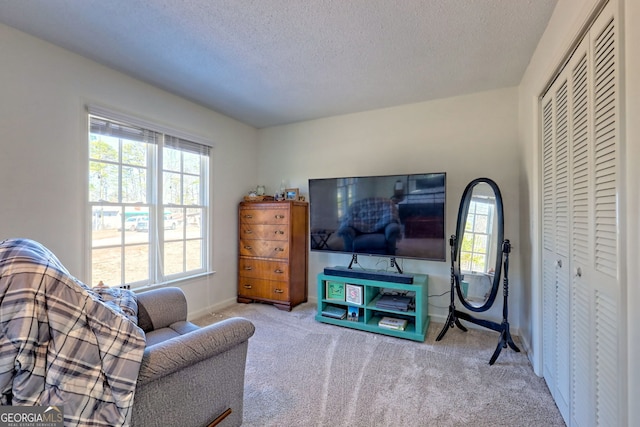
(62, 343)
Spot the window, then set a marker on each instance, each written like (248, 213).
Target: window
(345, 194)
(475, 244)
(148, 202)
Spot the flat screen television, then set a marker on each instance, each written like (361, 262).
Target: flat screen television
(393, 215)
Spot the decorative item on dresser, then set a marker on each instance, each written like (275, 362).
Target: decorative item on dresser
(273, 253)
(291, 194)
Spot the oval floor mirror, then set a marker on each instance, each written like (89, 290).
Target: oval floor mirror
(478, 254)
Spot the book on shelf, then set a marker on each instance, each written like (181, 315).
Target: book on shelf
(334, 312)
(393, 323)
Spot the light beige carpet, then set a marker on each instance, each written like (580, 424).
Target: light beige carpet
(304, 373)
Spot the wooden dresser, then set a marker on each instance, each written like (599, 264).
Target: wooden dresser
(273, 253)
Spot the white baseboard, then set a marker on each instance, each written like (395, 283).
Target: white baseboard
(211, 309)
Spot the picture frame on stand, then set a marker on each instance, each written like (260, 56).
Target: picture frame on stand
(291, 194)
(354, 294)
(334, 291)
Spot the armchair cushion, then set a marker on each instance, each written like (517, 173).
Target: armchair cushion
(160, 308)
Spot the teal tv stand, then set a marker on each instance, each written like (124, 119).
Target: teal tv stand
(368, 314)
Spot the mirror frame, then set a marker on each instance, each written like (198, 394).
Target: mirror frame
(460, 227)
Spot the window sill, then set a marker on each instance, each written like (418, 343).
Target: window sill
(174, 282)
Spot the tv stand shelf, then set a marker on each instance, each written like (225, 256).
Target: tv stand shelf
(369, 315)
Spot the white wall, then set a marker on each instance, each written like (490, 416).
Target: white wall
(467, 137)
(568, 17)
(43, 153)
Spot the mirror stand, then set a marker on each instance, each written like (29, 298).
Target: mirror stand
(454, 317)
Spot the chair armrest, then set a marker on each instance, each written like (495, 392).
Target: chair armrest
(160, 308)
(392, 230)
(177, 353)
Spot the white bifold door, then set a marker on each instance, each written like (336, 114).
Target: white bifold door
(583, 315)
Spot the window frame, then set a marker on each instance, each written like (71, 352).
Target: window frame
(155, 204)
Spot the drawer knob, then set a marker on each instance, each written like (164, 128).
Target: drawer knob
(279, 249)
(247, 286)
(278, 291)
(248, 232)
(248, 216)
(248, 267)
(279, 216)
(248, 247)
(279, 232)
(277, 270)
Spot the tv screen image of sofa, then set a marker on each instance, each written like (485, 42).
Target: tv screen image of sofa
(387, 215)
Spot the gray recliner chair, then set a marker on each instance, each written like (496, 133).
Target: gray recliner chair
(189, 376)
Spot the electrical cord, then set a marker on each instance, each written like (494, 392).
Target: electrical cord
(440, 295)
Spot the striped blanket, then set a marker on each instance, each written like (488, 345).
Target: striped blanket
(63, 344)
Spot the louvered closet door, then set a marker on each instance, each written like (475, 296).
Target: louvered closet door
(587, 378)
(582, 336)
(556, 278)
(548, 242)
(609, 360)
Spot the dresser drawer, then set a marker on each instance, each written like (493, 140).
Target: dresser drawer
(259, 288)
(262, 269)
(264, 248)
(264, 232)
(264, 216)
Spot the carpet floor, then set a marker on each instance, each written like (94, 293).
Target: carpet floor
(301, 372)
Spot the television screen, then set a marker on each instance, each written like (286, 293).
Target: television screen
(393, 215)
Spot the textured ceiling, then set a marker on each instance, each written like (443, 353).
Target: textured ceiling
(270, 62)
